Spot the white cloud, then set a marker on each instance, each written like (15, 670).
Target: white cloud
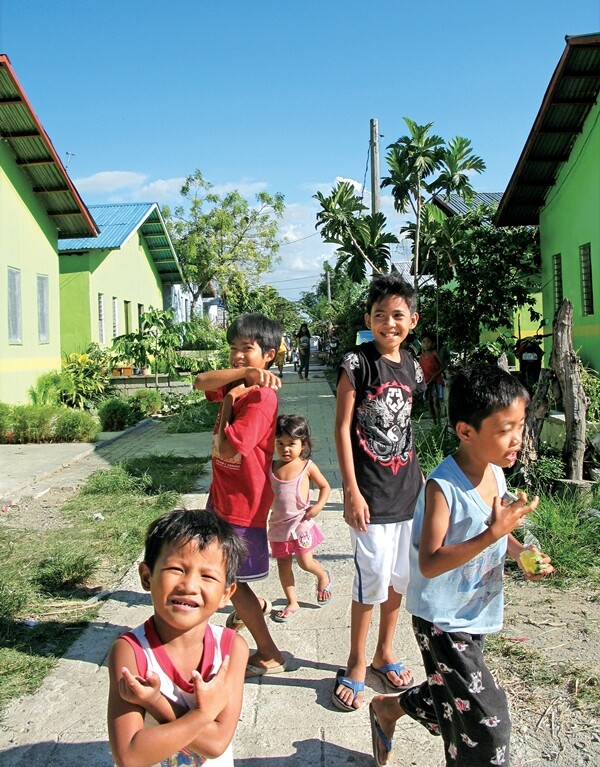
(127, 186)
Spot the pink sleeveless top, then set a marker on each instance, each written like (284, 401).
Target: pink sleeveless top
(287, 509)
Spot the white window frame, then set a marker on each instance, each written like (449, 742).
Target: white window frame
(15, 307)
(43, 308)
(101, 326)
(115, 324)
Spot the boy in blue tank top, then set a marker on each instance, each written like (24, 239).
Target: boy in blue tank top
(462, 531)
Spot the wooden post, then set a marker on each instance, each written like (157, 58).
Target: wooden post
(567, 367)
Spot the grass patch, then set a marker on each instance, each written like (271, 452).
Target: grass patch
(525, 673)
(46, 573)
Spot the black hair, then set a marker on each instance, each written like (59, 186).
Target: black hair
(180, 526)
(303, 325)
(264, 331)
(392, 284)
(296, 427)
(478, 391)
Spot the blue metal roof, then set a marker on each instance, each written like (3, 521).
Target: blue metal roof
(456, 206)
(118, 223)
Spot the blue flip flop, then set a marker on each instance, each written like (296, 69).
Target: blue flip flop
(351, 684)
(398, 668)
(378, 733)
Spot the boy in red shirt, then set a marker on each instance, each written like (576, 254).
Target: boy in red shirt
(244, 439)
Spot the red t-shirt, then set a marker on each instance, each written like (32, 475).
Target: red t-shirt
(241, 491)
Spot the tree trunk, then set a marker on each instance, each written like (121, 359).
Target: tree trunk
(567, 367)
(537, 410)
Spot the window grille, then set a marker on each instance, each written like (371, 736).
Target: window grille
(15, 317)
(101, 331)
(115, 308)
(43, 308)
(557, 274)
(587, 290)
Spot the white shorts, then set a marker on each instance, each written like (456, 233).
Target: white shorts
(380, 561)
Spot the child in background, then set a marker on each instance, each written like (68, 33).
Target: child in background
(432, 367)
(462, 530)
(177, 668)
(381, 480)
(292, 529)
(281, 355)
(240, 491)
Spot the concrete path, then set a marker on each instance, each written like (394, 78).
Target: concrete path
(287, 720)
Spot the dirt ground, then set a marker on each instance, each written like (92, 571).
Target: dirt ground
(547, 657)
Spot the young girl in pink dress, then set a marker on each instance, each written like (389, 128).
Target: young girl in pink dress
(292, 529)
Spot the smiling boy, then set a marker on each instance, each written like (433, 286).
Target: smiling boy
(177, 668)
(243, 446)
(381, 480)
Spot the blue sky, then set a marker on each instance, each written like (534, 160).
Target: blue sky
(277, 95)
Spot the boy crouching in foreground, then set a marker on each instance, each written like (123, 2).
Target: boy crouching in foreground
(177, 668)
(462, 531)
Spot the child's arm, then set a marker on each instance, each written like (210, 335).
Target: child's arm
(435, 557)
(356, 510)
(319, 481)
(216, 379)
(206, 729)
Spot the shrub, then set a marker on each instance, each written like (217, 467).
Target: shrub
(539, 475)
(65, 568)
(6, 422)
(202, 334)
(591, 385)
(51, 389)
(12, 599)
(32, 423)
(74, 426)
(115, 414)
(145, 402)
(89, 377)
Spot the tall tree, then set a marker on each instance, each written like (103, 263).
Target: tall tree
(216, 236)
(361, 239)
(421, 164)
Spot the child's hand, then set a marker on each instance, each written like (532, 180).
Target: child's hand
(212, 697)
(356, 513)
(311, 513)
(542, 564)
(139, 691)
(262, 377)
(506, 517)
(239, 391)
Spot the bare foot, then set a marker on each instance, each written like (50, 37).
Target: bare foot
(384, 712)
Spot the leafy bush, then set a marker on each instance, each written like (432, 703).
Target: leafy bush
(432, 445)
(539, 475)
(51, 389)
(202, 334)
(89, 377)
(65, 568)
(591, 385)
(145, 402)
(32, 423)
(12, 599)
(74, 426)
(5, 422)
(115, 414)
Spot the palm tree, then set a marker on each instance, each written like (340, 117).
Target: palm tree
(361, 238)
(421, 165)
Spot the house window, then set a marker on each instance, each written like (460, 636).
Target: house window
(15, 317)
(127, 312)
(115, 307)
(186, 310)
(557, 275)
(43, 309)
(587, 292)
(140, 312)
(101, 331)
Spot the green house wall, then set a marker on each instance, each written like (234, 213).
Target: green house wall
(127, 275)
(569, 219)
(28, 242)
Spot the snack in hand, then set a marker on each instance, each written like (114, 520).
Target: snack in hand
(531, 562)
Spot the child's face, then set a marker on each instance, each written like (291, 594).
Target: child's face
(499, 437)
(187, 587)
(391, 320)
(426, 344)
(288, 449)
(244, 352)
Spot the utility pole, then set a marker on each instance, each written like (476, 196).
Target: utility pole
(374, 143)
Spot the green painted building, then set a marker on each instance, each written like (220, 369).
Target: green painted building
(556, 184)
(107, 282)
(38, 205)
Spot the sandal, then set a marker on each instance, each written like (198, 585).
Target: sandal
(378, 733)
(237, 624)
(324, 596)
(397, 668)
(351, 684)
